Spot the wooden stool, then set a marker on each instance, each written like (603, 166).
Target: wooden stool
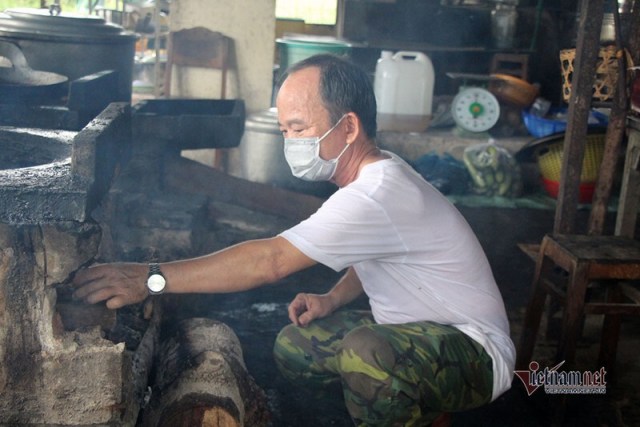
(579, 260)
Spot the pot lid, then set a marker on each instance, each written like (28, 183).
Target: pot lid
(26, 23)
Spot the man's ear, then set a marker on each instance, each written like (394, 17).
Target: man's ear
(354, 127)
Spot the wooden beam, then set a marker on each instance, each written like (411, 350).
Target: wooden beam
(587, 47)
(192, 177)
(613, 139)
(627, 215)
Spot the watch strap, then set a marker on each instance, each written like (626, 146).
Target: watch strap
(154, 268)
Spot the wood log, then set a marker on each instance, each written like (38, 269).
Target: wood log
(201, 380)
(143, 357)
(187, 176)
(81, 316)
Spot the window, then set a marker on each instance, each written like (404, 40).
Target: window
(79, 7)
(311, 11)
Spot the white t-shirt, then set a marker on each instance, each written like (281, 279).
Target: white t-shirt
(415, 254)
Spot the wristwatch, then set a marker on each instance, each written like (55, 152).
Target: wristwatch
(156, 281)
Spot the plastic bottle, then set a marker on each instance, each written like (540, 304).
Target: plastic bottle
(403, 86)
(384, 82)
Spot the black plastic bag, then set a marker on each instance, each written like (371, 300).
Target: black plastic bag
(448, 175)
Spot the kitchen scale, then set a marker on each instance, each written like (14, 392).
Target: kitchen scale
(475, 110)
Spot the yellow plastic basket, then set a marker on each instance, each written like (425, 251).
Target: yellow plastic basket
(550, 158)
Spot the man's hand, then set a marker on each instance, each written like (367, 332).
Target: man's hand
(117, 284)
(306, 307)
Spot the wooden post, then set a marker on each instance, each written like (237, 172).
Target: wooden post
(613, 139)
(591, 12)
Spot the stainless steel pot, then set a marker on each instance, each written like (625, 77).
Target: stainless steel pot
(262, 156)
(71, 45)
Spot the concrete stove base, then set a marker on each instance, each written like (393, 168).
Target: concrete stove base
(49, 375)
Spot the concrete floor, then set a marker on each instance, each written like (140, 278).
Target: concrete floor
(258, 315)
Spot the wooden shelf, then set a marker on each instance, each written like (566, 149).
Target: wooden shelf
(427, 47)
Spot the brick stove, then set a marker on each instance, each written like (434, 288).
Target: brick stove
(49, 374)
(113, 190)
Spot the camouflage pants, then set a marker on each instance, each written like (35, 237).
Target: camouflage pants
(391, 375)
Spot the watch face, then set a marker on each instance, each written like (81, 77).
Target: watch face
(156, 283)
(475, 109)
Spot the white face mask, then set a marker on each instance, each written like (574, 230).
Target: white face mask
(303, 157)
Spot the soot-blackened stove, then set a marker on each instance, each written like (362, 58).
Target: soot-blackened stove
(71, 197)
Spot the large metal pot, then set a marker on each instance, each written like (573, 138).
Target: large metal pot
(262, 156)
(71, 45)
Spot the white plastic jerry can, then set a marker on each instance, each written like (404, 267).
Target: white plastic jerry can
(403, 83)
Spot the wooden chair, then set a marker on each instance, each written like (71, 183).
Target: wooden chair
(200, 47)
(510, 63)
(573, 268)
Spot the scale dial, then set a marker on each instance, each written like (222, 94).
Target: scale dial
(475, 109)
